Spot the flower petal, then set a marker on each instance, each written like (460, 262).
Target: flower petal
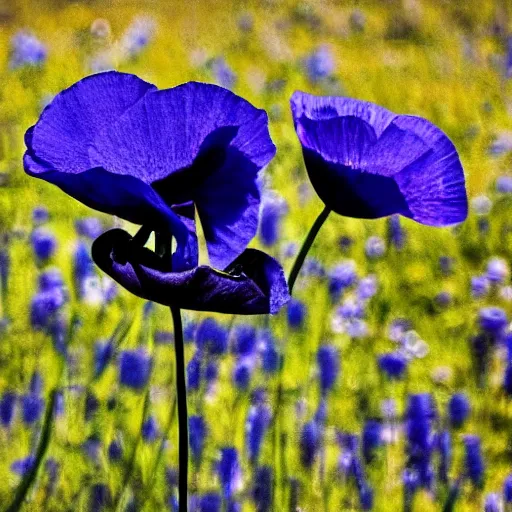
(318, 108)
(60, 139)
(196, 142)
(253, 284)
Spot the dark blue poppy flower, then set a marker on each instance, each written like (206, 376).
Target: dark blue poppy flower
(150, 431)
(22, 466)
(367, 162)
(228, 469)
(117, 144)
(474, 464)
(115, 451)
(328, 360)
(32, 406)
(256, 425)
(458, 409)
(262, 489)
(393, 365)
(134, 368)
(371, 439)
(211, 337)
(296, 313)
(309, 444)
(7, 405)
(197, 436)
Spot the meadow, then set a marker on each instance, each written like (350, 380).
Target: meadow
(385, 384)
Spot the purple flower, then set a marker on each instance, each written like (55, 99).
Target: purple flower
(138, 35)
(106, 142)
(504, 183)
(150, 430)
(210, 502)
(479, 286)
(341, 277)
(374, 247)
(27, 50)
(245, 340)
(103, 352)
(40, 215)
(224, 75)
(115, 451)
(444, 446)
(367, 162)
(242, 373)
(273, 209)
(89, 227)
(492, 320)
(474, 464)
(198, 432)
(497, 270)
(256, 425)
(309, 444)
(507, 489)
(296, 313)
(43, 244)
(134, 368)
(393, 365)
(211, 337)
(458, 409)
(32, 406)
(228, 469)
(395, 232)
(22, 466)
(319, 64)
(262, 489)
(371, 439)
(270, 357)
(7, 405)
(328, 360)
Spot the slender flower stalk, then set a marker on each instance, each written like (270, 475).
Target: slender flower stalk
(308, 242)
(164, 249)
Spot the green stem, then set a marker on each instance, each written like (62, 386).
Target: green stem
(308, 242)
(30, 476)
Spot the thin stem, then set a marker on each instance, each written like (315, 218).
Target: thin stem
(163, 247)
(181, 388)
(308, 242)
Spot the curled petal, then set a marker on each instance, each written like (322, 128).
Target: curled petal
(366, 162)
(253, 284)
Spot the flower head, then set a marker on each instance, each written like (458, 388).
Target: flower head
(367, 162)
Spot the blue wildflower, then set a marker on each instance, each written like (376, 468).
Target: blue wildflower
(262, 489)
(244, 340)
(474, 464)
(375, 247)
(224, 75)
(44, 244)
(328, 360)
(273, 209)
(7, 407)
(256, 425)
(296, 313)
(395, 232)
(211, 337)
(138, 35)
(197, 436)
(504, 184)
(309, 444)
(89, 227)
(101, 497)
(319, 64)
(210, 502)
(27, 50)
(150, 431)
(458, 409)
(492, 503)
(92, 404)
(115, 451)
(393, 365)
(497, 270)
(444, 445)
(103, 352)
(270, 357)
(229, 471)
(367, 287)
(492, 320)
(40, 216)
(22, 466)
(242, 373)
(194, 372)
(479, 286)
(507, 489)
(341, 277)
(134, 368)
(371, 439)
(32, 406)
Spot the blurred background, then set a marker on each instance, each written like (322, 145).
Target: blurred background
(386, 383)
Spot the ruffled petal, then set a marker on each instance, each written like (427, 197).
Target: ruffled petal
(319, 108)
(60, 139)
(253, 284)
(196, 142)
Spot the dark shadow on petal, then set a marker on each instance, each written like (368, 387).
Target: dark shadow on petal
(354, 193)
(253, 284)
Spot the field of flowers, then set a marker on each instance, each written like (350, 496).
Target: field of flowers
(384, 384)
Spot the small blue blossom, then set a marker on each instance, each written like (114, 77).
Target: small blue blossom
(32, 406)
(44, 244)
(211, 337)
(134, 368)
(328, 360)
(479, 286)
(296, 313)
(197, 437)
(228, 469)
(492, 320)
(458, 409)
(256, 425)
(375, 247)
(309, 444)
(474, 464)
(393, 365)
(262, 489)
(115, 451)
(273, 209)
(7, 408)
(497, 270)
(150, 430)
(27, 50)
(22, 466)
(319, 64)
